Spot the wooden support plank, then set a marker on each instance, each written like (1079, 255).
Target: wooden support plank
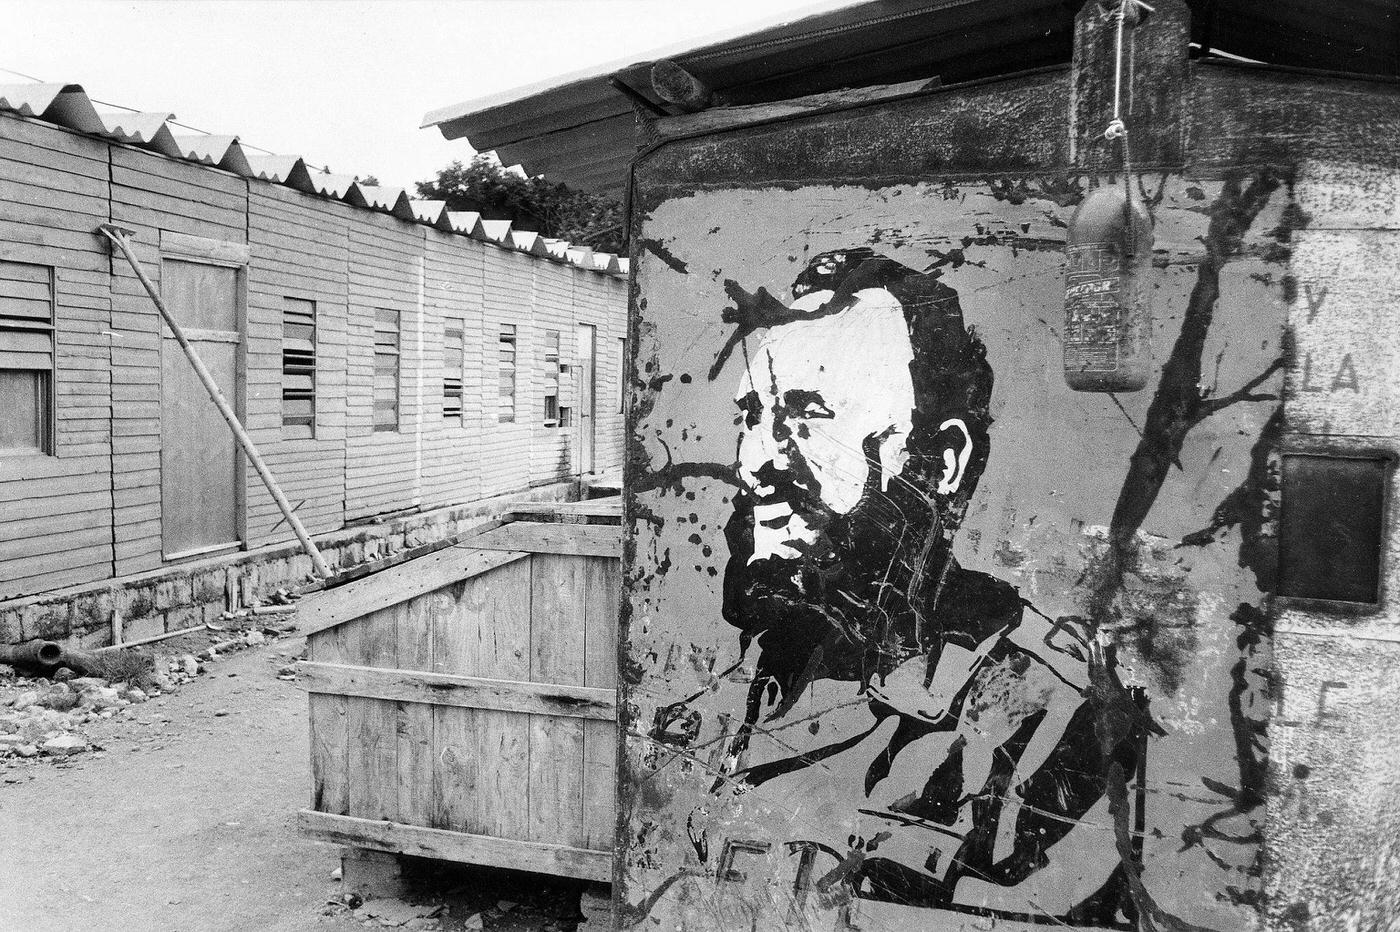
(558, 860)
(329, 737)
(594, 506)
(468, 692)
(602, 585)
(456, 646)
(415, 719)
(201, 247)
(556, 657)
(592, 540)
(457, 770)
(397, 584)
(372, 768)
(504, 621)
(504, 736)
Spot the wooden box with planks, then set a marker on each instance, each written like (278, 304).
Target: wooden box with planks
(463, 703)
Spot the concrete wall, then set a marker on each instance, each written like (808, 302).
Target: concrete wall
(885, 670)
(202, 590)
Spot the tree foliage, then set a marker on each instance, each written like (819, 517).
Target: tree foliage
(553, 210)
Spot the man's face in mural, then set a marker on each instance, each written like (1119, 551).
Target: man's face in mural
(812, 394)
(825, 404)
(845, 482)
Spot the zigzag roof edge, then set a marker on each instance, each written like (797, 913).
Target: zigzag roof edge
(497, 230)
(147, 130)
(465, 222)
(68, 106)
(432, 212)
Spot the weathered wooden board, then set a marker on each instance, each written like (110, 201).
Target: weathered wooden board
(591, 511)
(353, 600)
(559, 860)
(504, 736)
(567, 539)
(557, 656)
(601, 591)
(469, 692)
(329, 728)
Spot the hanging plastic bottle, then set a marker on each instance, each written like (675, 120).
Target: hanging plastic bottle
(1108, 302)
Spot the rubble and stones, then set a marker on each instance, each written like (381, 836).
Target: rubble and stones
(44, 717)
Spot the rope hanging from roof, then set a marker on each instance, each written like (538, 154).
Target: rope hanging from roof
(1117, 128)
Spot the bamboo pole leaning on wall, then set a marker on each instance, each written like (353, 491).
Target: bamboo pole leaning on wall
(119, 236)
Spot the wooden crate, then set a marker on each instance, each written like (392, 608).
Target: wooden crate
(463, 704)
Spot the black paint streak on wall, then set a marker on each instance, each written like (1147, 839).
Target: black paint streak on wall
(755, 310)
(1178, 405)
(1252, 508)
(655, 247)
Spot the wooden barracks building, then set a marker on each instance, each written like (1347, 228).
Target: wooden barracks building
(401, 367)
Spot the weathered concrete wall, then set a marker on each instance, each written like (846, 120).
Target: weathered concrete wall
(1334, 817)
(900, 654)
(201, 591)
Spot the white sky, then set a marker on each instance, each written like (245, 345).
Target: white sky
(343, 84)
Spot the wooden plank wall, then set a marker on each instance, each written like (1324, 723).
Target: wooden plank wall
(151, 195)
(382, 467)
(526, 777)
(454, 282)
(299, 249)
(93, 511)
(56, 511)
(595, 299)
(551, 448)
(508, 299)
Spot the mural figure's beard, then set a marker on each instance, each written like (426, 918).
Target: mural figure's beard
(852, 605)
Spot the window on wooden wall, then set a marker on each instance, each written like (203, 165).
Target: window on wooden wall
(386, 370)
(551, 378)
(298, 368)
(506, 406)
(26, 357)
(454, 362)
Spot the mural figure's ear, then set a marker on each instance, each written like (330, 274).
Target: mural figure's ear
(955, 455)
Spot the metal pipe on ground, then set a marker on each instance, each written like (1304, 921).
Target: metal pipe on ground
(43, 655)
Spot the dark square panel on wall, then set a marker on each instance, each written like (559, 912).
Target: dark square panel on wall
(1331, 527)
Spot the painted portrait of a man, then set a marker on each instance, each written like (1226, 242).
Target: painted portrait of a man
(956, 764)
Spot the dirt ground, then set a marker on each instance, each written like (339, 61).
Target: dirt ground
(184, 821)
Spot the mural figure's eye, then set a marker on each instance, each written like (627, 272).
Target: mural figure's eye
(806, 405)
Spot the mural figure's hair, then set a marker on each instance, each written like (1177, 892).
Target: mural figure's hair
(950, 372)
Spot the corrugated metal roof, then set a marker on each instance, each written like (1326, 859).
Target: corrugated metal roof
(579, 128)
(68, 105)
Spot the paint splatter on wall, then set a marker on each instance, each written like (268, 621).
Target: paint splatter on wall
(916, 633)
